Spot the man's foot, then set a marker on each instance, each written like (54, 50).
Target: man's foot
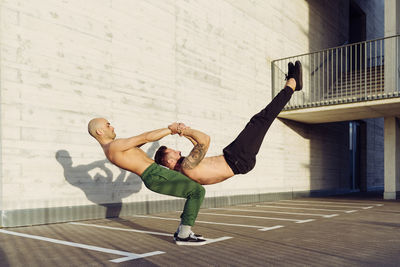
(191, 240)
(298, 75)
(295, 72)
(193, 234)
(290, 71)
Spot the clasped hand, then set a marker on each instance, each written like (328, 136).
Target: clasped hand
(177, 128)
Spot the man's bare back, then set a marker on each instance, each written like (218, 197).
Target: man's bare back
(210, 170)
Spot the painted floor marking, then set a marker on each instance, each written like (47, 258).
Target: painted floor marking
(127, 255)
(303, 204)
(260, 228)
(280, 212)
(365, 208)
(213, 240)
(296, 208)
(208, 240)
(338, 202)
(350, 211)
(258, 217)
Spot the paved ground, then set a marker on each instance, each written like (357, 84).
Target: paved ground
(335, 231)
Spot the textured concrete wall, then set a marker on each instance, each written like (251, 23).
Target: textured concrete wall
(329, 25)
(375, 153)
(392, 157)
(143, 64)
(375, 19)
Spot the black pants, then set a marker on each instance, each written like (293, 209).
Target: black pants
(241, 153)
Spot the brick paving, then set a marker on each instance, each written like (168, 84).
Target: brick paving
(363, 233)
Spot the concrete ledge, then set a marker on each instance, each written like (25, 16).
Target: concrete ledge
(345, 112)
(25, 217)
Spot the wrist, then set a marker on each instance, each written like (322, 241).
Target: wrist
(184, 131)
(181, 127)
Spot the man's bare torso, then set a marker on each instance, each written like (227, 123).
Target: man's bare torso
(134, 159)
(210, 170)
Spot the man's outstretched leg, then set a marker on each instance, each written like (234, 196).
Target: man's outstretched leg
(241, 153)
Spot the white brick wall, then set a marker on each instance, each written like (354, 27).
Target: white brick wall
(143, 64)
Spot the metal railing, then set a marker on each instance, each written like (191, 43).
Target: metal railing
(350, 73)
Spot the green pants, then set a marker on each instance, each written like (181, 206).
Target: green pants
(168, 182)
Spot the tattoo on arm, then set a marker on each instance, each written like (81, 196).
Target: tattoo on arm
(196, 155)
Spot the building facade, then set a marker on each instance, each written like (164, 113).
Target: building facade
(146, 63)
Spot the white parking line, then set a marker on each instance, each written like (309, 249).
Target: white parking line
(279, 212)
(267, 206)
(365, 208)
(319, 205)
(332, 202)
(350, 211)
(127, 255)
(208, 240)
(213, 240)
(258, 217)
(260, 228)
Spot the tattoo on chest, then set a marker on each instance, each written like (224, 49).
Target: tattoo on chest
(196, 155)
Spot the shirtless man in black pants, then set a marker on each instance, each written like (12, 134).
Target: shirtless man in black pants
(239, 157)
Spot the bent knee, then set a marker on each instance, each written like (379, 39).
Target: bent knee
(200, 190)
(246, 167)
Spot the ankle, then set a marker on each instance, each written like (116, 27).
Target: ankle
(291, 83)
(184, 231)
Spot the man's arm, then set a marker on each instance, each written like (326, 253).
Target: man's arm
(201, 142)
(191, 140)
(139, 140)
(177, 128)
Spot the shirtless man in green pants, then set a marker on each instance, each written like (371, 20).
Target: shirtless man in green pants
(126, 154)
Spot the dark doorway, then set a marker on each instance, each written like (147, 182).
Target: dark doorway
(357, 149)
(357, 33)
(357, 24)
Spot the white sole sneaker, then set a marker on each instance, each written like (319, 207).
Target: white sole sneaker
(190, 241)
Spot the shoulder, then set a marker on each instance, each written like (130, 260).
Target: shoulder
(111, 148)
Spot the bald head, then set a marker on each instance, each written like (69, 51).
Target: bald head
(100, 128)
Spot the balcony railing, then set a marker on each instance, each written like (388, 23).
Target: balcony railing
(346, 74)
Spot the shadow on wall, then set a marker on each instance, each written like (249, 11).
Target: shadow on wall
(328, 165)
(97, 181)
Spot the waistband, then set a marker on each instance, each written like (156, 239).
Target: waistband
(153, 167)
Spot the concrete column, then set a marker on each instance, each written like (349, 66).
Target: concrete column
(392, 20)
(392, 46)
(392, 130)
(392, 158)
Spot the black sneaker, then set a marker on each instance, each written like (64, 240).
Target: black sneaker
(290, 71)
(192, 234)
(298, 75)
(191, 240)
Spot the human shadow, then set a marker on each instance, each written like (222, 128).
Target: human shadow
(97, 181)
